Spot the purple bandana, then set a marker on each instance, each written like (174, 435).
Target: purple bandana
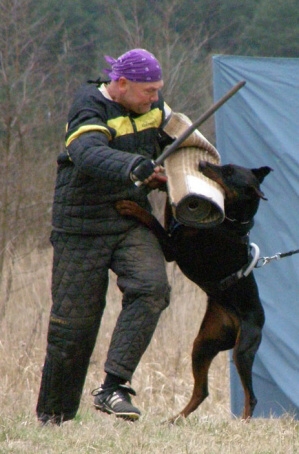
(137, 65)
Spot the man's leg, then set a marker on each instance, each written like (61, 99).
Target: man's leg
(140, 267)
(79, 285)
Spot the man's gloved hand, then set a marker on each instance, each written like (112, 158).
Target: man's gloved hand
(143, 170)
(149, 173)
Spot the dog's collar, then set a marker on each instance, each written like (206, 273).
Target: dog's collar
(236, 220)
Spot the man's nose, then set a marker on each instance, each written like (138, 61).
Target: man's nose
(154, 97)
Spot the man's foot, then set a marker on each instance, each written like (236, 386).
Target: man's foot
(49, 420)
(46, 419)
(116, 401)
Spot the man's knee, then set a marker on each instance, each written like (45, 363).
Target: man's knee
(161, 296)
(155, 296)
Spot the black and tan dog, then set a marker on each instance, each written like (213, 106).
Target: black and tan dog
(218, 260)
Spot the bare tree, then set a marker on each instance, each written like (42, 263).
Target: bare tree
(37, 83)
(27, 125)
(182, 52)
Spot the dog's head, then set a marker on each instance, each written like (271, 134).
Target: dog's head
(241, 187)
(236, 181)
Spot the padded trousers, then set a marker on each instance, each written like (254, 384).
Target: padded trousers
(81, 266)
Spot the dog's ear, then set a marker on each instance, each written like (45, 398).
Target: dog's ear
(258, 192)
(261, 173)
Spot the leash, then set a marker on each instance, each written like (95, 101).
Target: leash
(255, 262)
(279, 255)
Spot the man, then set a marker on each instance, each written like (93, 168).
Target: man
(114, 133)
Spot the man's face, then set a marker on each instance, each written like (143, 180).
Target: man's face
(139, 96)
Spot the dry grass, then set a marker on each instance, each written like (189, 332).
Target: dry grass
(163, 382)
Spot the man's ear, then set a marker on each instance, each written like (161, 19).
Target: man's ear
(122, 84)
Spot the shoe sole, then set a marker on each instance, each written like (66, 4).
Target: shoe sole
(124, 415)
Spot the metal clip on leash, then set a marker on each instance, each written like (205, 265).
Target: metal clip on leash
(265, 260)
(280, 255)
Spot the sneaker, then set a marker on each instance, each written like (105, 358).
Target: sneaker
(117, 402)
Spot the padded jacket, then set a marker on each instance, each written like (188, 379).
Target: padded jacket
(104, 142)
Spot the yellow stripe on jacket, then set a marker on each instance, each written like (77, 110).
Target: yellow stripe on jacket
(87, 128)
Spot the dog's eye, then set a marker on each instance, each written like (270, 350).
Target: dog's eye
(228, 170)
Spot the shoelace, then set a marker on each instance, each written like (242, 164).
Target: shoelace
(108, 391)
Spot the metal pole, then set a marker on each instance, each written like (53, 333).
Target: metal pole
(171, 148)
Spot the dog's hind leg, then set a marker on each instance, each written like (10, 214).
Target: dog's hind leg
(249, 338)
(244, 352)
(218, 332)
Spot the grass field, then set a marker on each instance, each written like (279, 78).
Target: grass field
(163, 381)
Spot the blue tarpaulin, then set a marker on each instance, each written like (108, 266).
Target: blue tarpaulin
(260, 126)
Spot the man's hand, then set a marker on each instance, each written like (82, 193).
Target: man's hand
(157, 178)
(149, 173)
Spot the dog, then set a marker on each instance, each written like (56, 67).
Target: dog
(218, 259)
